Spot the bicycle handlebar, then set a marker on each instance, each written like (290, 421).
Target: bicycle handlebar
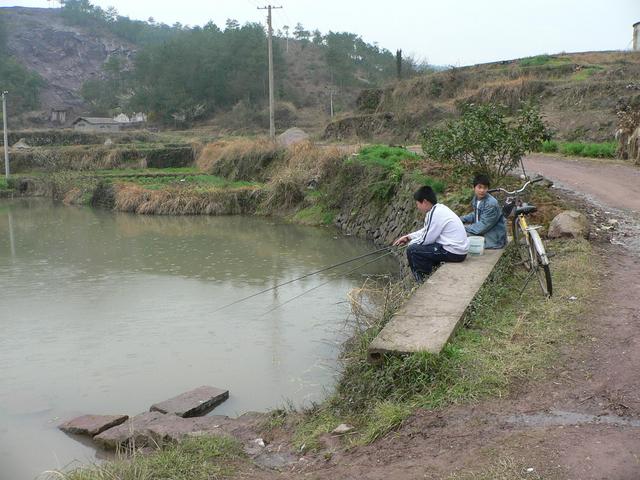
(514, 192)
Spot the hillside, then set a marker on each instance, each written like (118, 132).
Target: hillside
(578, 94)
(93, 61)
(65, 56)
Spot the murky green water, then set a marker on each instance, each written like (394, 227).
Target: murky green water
(109, 313)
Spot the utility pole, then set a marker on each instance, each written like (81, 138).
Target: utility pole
(331, 102)
(272, 125)
(6, 140)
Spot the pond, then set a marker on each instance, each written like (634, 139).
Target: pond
(108, 313)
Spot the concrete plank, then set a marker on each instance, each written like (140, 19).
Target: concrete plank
(92, 424)
(429, 318)
(196, 402)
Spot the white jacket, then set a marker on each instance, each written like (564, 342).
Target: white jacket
(442, 226)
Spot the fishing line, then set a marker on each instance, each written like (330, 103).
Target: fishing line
(325, 283)
(300, 278)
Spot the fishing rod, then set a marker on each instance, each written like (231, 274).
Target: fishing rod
(324, 283)
(302, 277)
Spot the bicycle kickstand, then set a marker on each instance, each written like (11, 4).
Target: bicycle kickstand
(532, 272)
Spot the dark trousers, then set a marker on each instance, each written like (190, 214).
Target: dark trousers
(422, 258)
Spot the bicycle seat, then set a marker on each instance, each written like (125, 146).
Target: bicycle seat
(525, 210)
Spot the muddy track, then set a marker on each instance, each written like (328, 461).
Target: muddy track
(583, 421)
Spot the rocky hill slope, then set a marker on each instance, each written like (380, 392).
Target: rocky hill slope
(579, 95)
(64, 56)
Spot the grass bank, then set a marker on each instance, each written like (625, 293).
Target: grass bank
(508, 340)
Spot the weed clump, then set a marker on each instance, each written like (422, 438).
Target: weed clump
(305, 169)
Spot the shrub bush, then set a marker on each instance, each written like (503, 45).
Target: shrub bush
(482, 140)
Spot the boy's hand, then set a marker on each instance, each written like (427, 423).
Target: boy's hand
(401, 241)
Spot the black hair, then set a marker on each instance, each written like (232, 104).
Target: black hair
(425, 193)
(481, 179)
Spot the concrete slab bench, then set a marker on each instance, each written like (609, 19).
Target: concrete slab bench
(427, 321)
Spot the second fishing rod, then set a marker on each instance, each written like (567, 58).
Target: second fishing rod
(330, 267)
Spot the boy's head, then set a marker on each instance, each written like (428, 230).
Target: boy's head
(425, 198)
(481, 184)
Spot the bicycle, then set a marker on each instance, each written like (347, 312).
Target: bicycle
(526, 237)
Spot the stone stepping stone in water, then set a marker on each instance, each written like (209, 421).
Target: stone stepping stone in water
(92, 424)
(155, 429)
(130, 431)
(194, 403)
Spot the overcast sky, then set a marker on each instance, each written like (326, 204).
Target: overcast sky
(453, 32)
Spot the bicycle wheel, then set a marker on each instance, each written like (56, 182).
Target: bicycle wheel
(540, 264)
(521, 244)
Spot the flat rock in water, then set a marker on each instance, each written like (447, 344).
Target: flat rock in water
(131, 430)
(172, 428)
(194, 403)
(155, 429)
(92, 424)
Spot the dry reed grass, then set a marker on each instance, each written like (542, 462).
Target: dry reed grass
(305, 166)
(184, 201)
(508, 92)
(239, 159)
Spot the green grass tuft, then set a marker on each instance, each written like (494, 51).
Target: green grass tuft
(198, 458)
(581, 149)
(536, 61)
(384, 156)
(437, 184)
(315, 215)
(387, 165)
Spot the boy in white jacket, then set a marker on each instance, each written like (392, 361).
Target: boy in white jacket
(442, 239)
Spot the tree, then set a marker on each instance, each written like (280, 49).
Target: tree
(399, 63)
(232, 24)
(300, 33)
(317, 37)
(483, 141)
(111, 14)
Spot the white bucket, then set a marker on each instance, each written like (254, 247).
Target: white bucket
(476, 245)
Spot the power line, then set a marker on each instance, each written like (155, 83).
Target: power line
(325, 283)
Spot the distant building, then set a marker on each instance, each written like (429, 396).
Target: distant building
(96, 124)
(121, 118)
(138, 117)
(636, 36)
(59, 115)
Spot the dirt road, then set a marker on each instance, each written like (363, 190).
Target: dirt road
(581, 423)
(608, 183)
